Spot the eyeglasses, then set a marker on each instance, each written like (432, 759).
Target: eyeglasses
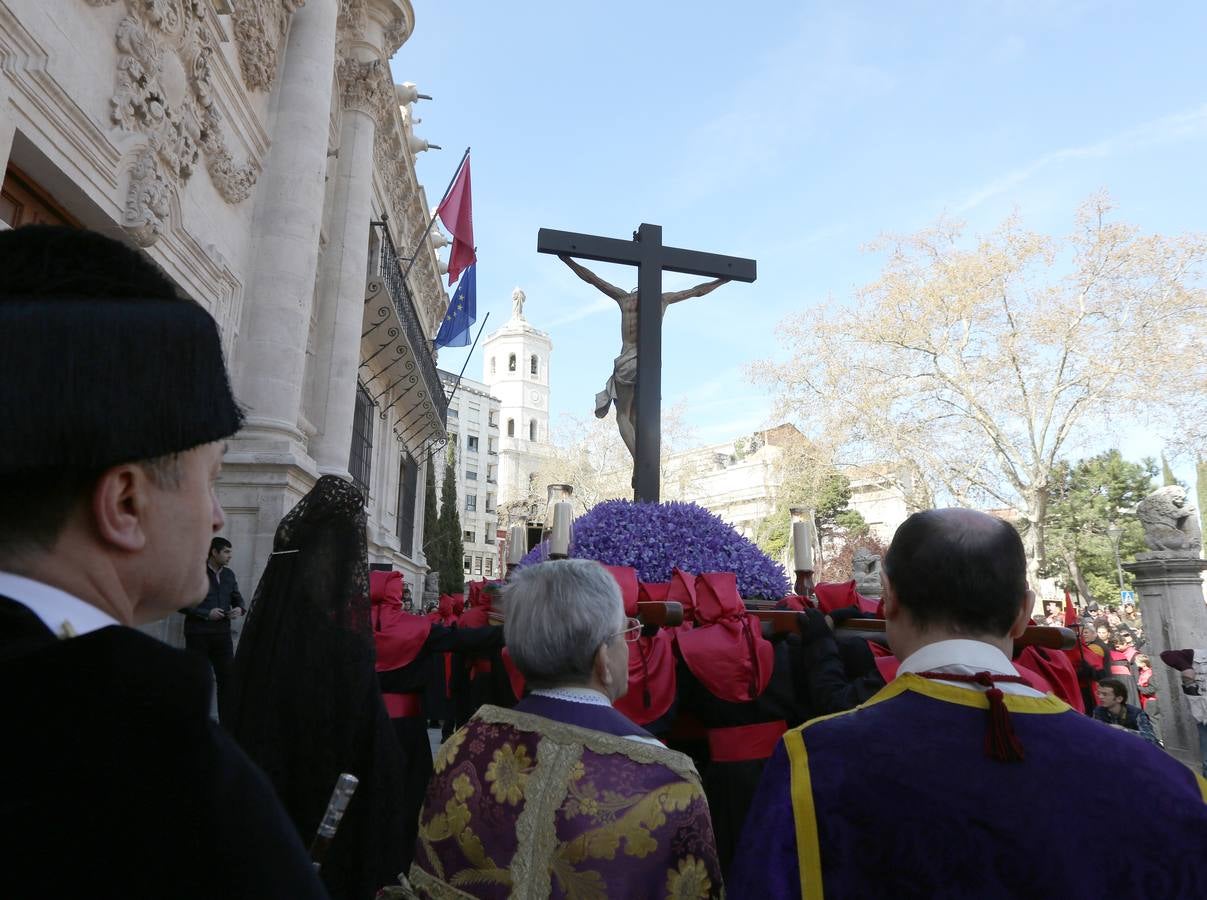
(631, 632)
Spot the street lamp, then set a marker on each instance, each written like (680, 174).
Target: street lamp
(1114, 532)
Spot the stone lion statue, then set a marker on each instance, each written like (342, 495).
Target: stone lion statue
(1170, 521)
(865, 569)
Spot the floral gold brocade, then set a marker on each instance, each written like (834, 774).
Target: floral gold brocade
(523, 807)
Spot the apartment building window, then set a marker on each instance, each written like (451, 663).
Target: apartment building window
(532, 429)
(511, 363)
(360, 457)
(466, 562)
(471, 502)
(408, 482)
(492, 445)
(532, 364)
(490, 503)
(471, 443)
(477, 565)
(468, 537)
(490, 567)
(511, 427)
(471, 474)
(492, 475)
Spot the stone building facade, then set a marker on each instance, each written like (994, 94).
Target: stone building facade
(741, 482)
(261, 154)
(473, 439)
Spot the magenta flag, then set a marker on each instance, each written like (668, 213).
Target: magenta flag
(456, 212)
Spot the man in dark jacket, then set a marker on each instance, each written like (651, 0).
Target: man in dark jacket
(1113, 709)
(207, 627)
(114, 781)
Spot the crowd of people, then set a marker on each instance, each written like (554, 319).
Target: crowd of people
(595, 747)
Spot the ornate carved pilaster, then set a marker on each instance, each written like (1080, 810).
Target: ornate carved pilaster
(352, 18)
(259, 27)
(384, 24)
(164, 90)
(365, 87)
(396, 34)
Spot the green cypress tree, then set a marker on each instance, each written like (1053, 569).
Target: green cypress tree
(1167, 476)
(1201, 478)
(433, 546)
(452, 577)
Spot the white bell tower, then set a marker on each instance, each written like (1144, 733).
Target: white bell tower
(516, 370)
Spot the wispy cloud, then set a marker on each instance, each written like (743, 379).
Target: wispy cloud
(1159, 131)
(595, 307)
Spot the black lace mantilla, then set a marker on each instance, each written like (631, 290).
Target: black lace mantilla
(305, 703)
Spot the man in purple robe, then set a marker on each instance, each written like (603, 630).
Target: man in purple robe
(932, 788)
(562, 796)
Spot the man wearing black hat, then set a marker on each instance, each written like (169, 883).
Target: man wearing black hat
(116, 402)
(929, 788)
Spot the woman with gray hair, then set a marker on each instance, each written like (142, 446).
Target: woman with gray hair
(563, 794)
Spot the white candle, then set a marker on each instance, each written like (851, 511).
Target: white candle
(802, 546)
(559, 534)
(516, 544)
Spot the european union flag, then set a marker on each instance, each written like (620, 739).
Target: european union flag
(462, 312)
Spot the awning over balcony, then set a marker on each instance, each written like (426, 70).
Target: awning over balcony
(396, 356)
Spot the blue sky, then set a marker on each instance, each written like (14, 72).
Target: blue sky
(793, 133)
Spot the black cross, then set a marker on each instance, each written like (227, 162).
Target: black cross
(651, 258)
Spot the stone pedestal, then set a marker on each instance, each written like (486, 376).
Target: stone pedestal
(1170, 589)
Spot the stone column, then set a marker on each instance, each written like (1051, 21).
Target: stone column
(1170, 588)
(344, 269)
(289, 209)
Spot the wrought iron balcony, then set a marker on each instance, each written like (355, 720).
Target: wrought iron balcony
(390, 271)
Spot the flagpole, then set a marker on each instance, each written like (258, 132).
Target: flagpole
(457, 383)
(432, 221)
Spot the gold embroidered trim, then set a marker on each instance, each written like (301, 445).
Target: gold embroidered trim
(536, 827)
(434, 887)
(595, 741)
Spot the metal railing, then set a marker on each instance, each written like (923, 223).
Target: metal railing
(389, 270)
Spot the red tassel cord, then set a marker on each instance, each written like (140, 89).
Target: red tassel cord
(1001, 743)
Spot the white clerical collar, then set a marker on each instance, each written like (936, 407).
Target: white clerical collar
(586, 695)
(63, 614)
(965, 657)
(591, 697)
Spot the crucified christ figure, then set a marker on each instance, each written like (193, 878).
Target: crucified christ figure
(621, 386)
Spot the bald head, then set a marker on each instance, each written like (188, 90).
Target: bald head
(959, 569)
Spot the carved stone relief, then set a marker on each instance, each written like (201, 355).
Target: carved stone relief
(165, 91)
(365, 87)
(352, 17)
(259, 27)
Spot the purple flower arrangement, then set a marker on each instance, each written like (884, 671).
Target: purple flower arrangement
(653, 538)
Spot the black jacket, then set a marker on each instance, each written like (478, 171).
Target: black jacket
(223, 594)
(114, 781)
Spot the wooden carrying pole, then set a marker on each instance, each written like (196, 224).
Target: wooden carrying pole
(664, 614)
(783, 621)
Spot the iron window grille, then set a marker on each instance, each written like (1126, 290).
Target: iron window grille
(360, 458)
(408, 481)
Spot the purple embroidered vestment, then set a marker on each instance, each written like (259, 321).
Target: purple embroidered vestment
(550, 799)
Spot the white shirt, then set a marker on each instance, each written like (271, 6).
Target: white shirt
(63, 614)
(590, 697)
(965, 657)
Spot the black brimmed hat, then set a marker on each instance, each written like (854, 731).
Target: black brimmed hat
(106, 369)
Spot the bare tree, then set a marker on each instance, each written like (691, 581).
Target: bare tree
(590, 455)
(976, 363)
